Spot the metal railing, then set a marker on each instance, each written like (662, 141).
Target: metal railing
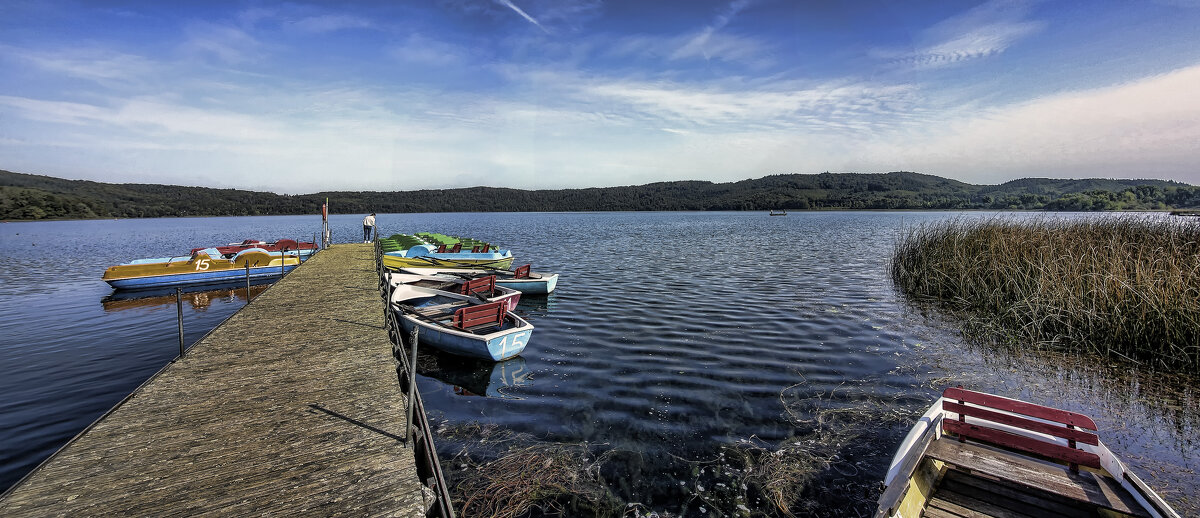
(417, 431)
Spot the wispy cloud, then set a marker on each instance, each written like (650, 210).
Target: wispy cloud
(102, 66)
(730, 48)
(324, 23)
(228, 44)
(828, 106)
(699, 43)
(983, 31)
(421, 49)
(1143, 128)
(530, 19)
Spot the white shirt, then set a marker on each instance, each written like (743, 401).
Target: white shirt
(369, 221)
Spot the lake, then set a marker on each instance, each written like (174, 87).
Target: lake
(681, 353)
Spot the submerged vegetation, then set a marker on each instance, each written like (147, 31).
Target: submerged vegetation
(1122, 287)
(816, 469)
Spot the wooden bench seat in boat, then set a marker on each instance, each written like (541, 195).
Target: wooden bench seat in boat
(472, 318)
(996, 461)
(990, 481)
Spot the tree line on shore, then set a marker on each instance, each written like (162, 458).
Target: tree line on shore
(35, 197)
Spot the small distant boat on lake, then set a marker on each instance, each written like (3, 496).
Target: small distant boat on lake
(521, 278)
(301, 248)
(977, 454)
(485, 288)
(206, 266)
(461, 324)
(443, 256)
(778, 213)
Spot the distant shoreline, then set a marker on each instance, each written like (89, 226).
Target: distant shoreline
(804, 211)
(26, 197)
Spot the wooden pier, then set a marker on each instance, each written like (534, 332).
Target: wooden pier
(290, 407)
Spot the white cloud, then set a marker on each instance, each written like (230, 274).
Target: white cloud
(102, 66)
(983, 31)
(418, 48)
(330, 23)
(530, 19)
(1146, 128)
(780, 105)
(228, 44)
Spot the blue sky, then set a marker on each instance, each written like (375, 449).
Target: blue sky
(304, 97)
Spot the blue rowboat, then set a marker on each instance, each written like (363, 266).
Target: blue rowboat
(205, 267)
(520, 279)
(461, 324)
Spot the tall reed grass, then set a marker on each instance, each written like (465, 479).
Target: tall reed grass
(1121, 286)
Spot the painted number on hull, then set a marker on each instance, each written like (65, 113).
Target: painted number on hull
(518, 342)
(201, 264)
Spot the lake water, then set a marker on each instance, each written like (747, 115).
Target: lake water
(681, 353)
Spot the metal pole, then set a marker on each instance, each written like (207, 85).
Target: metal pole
(179, 310)
(282, 262)
(247, 282)
(412, 382)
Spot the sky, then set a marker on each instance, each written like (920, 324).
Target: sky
(549, 94)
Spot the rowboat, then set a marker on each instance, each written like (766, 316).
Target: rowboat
(977, 454)
(442, 256)
(484, 288)
(520, 279)
(460, 324)
(302, 248)
(204, 267)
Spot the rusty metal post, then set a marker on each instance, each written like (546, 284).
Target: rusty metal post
(179, 310)
(412, 383)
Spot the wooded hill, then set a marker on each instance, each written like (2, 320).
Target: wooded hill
(32, 197)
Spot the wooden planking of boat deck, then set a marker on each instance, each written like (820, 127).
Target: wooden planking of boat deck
(290, 407)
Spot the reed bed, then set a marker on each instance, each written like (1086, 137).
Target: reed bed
(1119, 286)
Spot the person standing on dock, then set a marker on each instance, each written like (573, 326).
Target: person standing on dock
(368, 226)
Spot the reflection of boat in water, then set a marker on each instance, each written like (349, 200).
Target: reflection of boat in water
(198, 297)
(536, 305)
(471, 377)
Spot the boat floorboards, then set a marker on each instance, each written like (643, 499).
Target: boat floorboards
(290, 407)
(989, 482)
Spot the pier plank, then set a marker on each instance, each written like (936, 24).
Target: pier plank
(289, 407)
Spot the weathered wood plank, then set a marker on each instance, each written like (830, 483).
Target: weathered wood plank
(1029, 502)
(1085, 486)
(291, 406)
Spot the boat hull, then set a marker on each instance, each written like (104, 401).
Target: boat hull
(396, 261)
(197, 270)
(542, 286)
(926, 457)
(535, 284)
(197, 278)
(511, 297)
(497, 346)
